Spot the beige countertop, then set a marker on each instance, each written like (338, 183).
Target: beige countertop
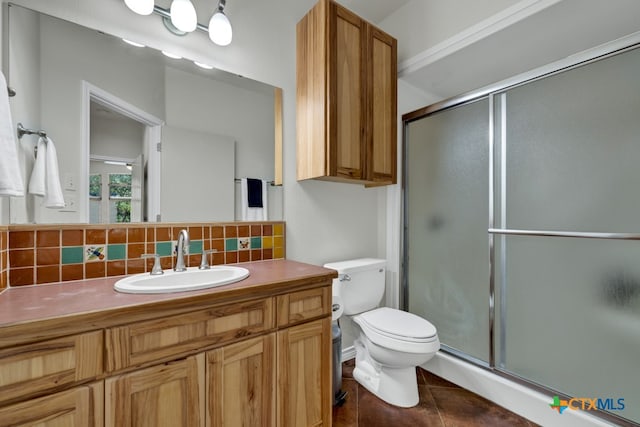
(38, 312)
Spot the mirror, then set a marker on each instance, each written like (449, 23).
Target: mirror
(109, 106)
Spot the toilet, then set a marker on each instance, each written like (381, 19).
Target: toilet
(391, 343)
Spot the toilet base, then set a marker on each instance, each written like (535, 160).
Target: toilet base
(397, 386)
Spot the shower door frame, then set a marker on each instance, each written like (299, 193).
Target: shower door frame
(604, 51)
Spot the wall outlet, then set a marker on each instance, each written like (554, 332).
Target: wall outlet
(70, 202)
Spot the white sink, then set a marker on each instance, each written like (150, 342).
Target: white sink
(173, 281)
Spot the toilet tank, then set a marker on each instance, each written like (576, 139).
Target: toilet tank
(360, 283)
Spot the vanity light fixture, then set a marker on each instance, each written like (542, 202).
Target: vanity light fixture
(220, 31)
(183, 15)
(141, 7)
(181, 19)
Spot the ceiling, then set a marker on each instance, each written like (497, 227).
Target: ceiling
(561, 29)
(554, 33)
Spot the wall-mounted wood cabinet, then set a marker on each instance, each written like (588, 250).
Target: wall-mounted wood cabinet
(346, 98)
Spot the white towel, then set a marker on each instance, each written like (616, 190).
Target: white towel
(253, 214)
(37, 182)
(45, 177)
(10, 176)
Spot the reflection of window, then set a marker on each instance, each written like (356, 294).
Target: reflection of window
(113, 199)
(119, 197)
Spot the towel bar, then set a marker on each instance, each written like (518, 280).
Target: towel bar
(24, 131)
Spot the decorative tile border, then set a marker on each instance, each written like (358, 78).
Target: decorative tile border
(34, 254)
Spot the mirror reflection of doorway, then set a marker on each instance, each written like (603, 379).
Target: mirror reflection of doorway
(122, 178)
(116, 167)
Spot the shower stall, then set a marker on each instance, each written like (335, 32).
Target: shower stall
(521, 228)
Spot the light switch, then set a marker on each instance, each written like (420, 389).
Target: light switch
(69, 182)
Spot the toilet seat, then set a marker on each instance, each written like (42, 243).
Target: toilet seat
(398, 330)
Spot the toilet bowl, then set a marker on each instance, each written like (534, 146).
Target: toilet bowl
(390, 343)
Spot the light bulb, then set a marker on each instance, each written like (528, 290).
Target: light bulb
(141, 7)
(183, 15)
(220, 29)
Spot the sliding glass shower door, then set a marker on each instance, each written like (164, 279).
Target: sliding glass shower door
(568, 198)
(522, 229)
(447, 218)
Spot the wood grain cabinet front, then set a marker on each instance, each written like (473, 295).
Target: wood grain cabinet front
(304, 375)
(297, 307)
(169, 337)
(346, 98)
(167, 395)
(241, 384)
(49, 366)
(80, 406)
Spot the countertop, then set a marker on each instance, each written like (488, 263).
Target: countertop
(42, 311)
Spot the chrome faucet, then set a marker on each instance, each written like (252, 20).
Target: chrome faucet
(183, 239)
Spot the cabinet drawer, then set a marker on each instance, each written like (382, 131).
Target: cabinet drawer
(49, 365)
(299, 306)
(167, 337)
(79, 406)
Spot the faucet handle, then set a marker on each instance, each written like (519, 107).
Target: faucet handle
(204, 260)
(156, 269)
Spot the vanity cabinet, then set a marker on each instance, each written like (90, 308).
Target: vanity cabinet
(346, 98)
(254, 356)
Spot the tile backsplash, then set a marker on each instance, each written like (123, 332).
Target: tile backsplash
(4, 257)
(35, 254)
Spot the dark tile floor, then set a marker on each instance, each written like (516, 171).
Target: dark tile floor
(442, 403)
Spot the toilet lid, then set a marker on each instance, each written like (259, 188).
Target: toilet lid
(399, 324)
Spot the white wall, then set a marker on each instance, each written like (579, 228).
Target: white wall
(116, 137)
(25, 75)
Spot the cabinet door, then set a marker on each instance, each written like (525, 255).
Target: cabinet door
(382, 79)
(49, 365)
(347, 89)
(80, 406)
(168, 395)
(241, 384)
(304, 371)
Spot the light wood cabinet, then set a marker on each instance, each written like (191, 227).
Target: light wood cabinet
(170, 395)
(253, 361)
(346, 98)
(49, 366)
(304, 385)
(81, 406)
(158, 339)
(241, 381)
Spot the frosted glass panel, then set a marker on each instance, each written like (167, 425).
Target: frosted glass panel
(447, 212)
(572, 319)
(573, 144)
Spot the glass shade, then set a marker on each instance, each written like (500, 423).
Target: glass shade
(220, 29)
(141, 7)
(183, 15)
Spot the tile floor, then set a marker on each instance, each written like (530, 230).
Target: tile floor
(442, 404)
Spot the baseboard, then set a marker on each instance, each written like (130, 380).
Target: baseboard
(522, 400)
(348, 353)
